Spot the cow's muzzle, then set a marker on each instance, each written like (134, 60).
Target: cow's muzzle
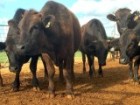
(123, 61)
(13, 69)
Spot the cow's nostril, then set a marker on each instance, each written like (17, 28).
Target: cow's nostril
(13, 69)
(22, 47)
(123, 61)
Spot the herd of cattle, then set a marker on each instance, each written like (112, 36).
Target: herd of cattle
(54, 34)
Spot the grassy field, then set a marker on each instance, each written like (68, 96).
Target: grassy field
(3, 56)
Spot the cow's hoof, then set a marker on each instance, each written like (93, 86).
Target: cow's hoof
(100, 76)
(1, 85)
(50, 95)
(15, 89)
(36, 89)
(130, 80)
(70, 96)
(84, 72)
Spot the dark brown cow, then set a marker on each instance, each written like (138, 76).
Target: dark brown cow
(56, 31)
(16, 60)
(94, 44)
(120, 17)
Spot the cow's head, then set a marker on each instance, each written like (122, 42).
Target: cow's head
(33, 30)
(99, 49)
(133, 49)
(133, 19)
(120, 18)
(128, 46)
(15, 59)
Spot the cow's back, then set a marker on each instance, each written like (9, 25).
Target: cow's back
(63, 20)
(95, 29)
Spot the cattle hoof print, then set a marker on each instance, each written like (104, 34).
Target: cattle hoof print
(36, 89)
(50, 95)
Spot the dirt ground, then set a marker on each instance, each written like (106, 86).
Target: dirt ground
(113, 89)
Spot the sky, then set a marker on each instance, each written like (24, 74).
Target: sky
(85, 10)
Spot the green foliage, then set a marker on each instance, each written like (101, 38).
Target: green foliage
(3, 57)
(78, 55)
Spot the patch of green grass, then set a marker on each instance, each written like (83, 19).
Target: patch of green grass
(3, 57)
(78, 55)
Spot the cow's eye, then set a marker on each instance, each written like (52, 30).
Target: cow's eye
(35, 27)
(131, 45)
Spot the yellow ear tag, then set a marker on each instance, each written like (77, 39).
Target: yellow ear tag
(139, 44)
(48, 25)
(136, 18)
(112, 49)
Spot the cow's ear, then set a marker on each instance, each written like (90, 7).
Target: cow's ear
(112, 17)
(48, 21)
(11, 23)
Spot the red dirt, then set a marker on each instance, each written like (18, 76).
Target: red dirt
(113, 89)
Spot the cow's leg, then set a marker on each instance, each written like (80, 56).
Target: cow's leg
(51, 72)
(72, 69)
(67, 76)
(131, 69)
(45, 69)
(33, 67)
(136, 68)
(100, 71)
(84, 60)
(91, 65)
(16, 83)
(61, 76)
(1, 80)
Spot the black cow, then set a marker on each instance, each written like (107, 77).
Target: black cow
(130, 51)
(56, 31)
(120, 18)
(129, 43)
(131, 40)
(16, 60)
(94, 44)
